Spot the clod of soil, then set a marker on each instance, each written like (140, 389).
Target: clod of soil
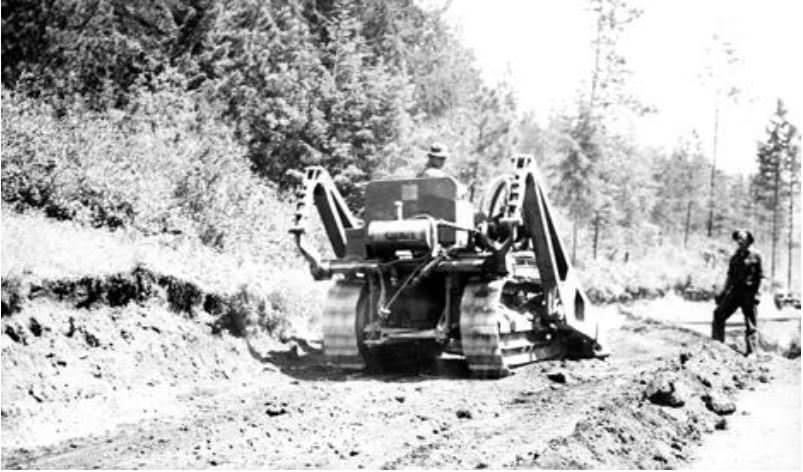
(273, 411)
(684, 357)
(664, 390)
(718, 404)
(557, 376)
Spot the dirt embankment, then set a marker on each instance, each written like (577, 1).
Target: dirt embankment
(231, 312)
(148, 384)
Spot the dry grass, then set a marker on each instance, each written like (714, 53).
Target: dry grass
(660, 270)
(271, 292)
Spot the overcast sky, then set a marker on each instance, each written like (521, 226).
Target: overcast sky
(543, 48)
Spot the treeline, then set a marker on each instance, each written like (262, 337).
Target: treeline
(342, 83)
(105, 99)
(187, 116)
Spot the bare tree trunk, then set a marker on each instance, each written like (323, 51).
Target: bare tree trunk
(688, 223)
(596, 233)
(595, 74)
(478, 150)
(473, 186)
(713, 169)
(791, 233)
(776, 192)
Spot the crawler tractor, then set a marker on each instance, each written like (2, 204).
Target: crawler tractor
(423, 273)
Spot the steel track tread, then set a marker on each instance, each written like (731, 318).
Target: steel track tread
(340, 343)
(488, 352)
(479, 329)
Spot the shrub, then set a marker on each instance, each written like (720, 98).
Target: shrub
(166, 165)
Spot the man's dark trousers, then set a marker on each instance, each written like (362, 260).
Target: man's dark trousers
(747, 302)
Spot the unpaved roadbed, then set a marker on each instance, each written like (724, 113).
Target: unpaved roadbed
(765, 431)
(291, 412)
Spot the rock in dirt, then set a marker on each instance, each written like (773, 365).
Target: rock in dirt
(275, 411)
(721, 424)
(738, 382)
(684, 357)
(558, 376)
(463, 414)
(665, 390)
(704, 380)
(719, 404)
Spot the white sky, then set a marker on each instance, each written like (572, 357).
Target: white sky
(543, 48)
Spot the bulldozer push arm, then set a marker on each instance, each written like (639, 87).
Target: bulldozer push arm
(527, 210)
(318, 189)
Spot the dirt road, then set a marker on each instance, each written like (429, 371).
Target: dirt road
(291, 412)
(765, 432)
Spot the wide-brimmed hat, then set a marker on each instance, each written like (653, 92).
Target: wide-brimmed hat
(437, 151)
(739, 233)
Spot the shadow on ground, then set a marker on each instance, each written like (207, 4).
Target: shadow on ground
(304, 360)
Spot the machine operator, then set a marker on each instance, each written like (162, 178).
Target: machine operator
(436, 157)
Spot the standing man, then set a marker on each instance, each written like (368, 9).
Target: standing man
(435, 159)
(741, 291)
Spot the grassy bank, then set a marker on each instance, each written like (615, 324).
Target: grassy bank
(43, 258)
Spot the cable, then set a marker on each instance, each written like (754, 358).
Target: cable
(385, 310)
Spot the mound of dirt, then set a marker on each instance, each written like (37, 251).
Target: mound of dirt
(660, 416)
(68, 372)
(233, 312)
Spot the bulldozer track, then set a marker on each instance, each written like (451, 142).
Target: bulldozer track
(340, 341)
(490, 350)
(488, 344)
(479, 329)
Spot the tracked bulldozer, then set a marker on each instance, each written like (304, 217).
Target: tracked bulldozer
(423, 273)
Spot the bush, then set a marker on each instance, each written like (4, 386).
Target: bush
(165, 165)
(660, 270)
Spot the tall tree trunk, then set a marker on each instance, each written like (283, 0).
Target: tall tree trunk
(791, 233)
(776, 193)
(688, 223)
(596, 233)
(473, 186)
(713, 169)
(478, 150)
(595, 74)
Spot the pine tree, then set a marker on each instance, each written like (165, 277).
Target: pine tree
(100, 50)
(680, 179)
(775, 161)
(580, 147)
(792, 170)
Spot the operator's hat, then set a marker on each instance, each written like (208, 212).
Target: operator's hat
(437, 151)
(742, 233)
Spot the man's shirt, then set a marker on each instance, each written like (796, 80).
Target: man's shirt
(435, 173)
(744, 270)
(431, 172)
